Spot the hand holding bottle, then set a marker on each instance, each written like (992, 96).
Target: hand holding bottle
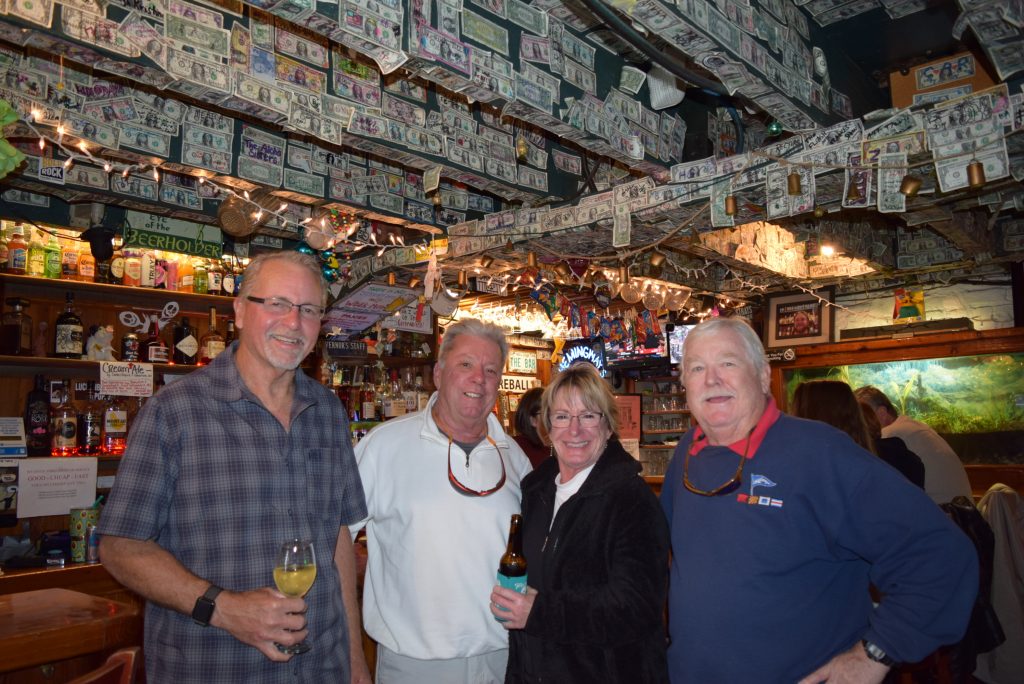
(511, 608)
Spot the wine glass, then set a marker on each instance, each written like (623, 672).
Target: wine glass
(294, 572)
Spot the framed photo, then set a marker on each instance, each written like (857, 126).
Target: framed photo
(795, 319)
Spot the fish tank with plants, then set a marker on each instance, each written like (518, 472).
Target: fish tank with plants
(975, 402)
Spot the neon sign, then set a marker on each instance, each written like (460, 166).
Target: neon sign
(588, 351)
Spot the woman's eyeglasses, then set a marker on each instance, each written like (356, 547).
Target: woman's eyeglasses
(729, 487)
(588, 419)
(468, 491)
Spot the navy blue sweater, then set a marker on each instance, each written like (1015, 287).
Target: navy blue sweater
(770, 582)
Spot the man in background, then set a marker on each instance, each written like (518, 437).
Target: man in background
(441, 486)
(222, 467)
(944, 475)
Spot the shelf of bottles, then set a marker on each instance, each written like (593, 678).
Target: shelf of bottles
(665, 418)
(71, 418)
(373, 393)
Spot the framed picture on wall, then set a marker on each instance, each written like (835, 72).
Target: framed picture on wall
(800, 318)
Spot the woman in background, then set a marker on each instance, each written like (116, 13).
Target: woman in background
(833, 402)
(893, 450)
(596, 547)
(526, 424)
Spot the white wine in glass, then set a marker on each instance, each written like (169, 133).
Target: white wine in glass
(294, 573)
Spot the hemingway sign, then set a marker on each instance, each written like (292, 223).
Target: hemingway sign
(172, 235)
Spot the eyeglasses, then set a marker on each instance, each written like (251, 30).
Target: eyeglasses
(467, 491)
(278, 307)
(587, 419)
(729, 487)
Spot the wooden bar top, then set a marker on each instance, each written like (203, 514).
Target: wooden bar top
(49, 625)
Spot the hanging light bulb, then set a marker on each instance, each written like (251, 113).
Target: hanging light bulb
(156, 174)
(436, 198)
(676, 299)
(486, 260)
(819, 212)
(730, 205)
(654, 299)
(522, 148)
(42, 143)
(827, 250)
(124, 174)
(392, 278)
(910, 185)
(631, 292)
(284, 205)
(793, 184)
(976, 174)
(82, 146)
(413, 282)
(562, 269)
(657, 259)
(774, 128)
(68, 162)
(107, 168)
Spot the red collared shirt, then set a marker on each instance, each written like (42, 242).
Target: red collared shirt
(748, 445)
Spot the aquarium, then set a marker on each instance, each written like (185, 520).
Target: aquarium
(975, 402)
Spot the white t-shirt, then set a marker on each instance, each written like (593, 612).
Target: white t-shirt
(433, 552)
(564, 491)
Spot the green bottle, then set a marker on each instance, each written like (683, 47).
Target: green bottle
(52, 258)
(36, 256)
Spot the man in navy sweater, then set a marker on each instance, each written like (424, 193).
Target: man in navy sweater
(780, 525)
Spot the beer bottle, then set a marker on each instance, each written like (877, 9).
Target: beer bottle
(512, 566)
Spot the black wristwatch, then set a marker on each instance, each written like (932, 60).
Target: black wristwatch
(203, 610)
(875, 652)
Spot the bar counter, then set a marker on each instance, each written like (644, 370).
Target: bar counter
(58, 623)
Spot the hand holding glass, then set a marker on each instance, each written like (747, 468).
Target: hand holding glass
(294, 572)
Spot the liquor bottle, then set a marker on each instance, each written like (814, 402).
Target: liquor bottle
(90, 422)
(147, 269)
(380, 389)
(67, 338)
(397, 395)
(368, 400)
(87, 270)
(16, 332)
(52, 258)
(154, 349)
(186, 275)
(115, 426)
(186, 346)
(5, 250)
(65, 425)
(37, 419)
(230, 336)
(512, 565)
(132, 276)
(412, 404)
(200, 278)
(36, 256)
(69, 261)
(228, 285)
(116, 273)
(212, 343)
(422, 395)
(215, 274)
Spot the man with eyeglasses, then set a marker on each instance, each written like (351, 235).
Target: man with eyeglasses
(222, 467)
(779, 527)
(441, 486)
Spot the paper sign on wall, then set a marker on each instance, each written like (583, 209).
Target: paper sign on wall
(126, 379)
(53, 486)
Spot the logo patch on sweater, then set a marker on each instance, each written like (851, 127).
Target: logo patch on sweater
(752, 499)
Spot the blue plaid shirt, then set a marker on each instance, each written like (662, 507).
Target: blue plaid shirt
(214, 479)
